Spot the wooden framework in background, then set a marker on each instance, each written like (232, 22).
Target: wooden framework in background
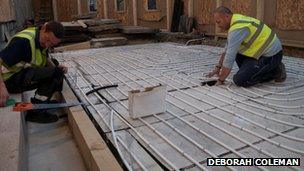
(260, 14)
(7, 12)
(64, 10)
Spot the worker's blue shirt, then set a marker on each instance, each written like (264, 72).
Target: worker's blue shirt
(18, 50)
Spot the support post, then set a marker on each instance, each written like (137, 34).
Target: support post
(170, 4)
(135, 12)
(105, 6)
(190, 8)
(218, 4)
(79, 7)
(55, 13)
(260, 9)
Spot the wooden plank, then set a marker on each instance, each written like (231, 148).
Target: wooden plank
(190, 8)
(79, 7)
(76, 46)
(12, 141)
(72, 26)
(97, 22)
(260, 9)
(170, 7)
(94, 150)
(138, 30)
(101, 28)
(135, 12)
(109, 35)
(55, 13)
(83, 25)
(106, 42)
(293, 43)
(106, 9)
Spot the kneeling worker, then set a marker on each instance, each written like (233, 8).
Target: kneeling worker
(253, 45)
(25, 65)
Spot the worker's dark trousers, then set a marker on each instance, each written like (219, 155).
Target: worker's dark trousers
(252, 71)
(46, 80)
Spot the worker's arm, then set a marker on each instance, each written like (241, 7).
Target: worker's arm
(4, 95)
(234, 42)
(224, 73)
(217, 68)
(51, 62)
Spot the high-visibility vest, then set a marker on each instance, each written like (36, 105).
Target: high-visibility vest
(38, 56)
(259, 39)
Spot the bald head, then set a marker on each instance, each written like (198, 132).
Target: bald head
(222, 17)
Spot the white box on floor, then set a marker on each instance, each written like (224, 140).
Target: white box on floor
(148, 102)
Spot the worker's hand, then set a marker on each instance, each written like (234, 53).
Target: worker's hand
(215, 71)
(28, 77)
(4, 95)
(64, 68)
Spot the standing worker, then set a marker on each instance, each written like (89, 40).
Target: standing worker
(253, 45)
(25, 65)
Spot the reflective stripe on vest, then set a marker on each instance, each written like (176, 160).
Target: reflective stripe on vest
(259, 39)
(38, 56)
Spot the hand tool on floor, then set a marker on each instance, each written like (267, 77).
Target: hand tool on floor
(209, 83)
(21, 106)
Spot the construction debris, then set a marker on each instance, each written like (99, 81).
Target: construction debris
(106, 42)
(74, 33)
(138, 30)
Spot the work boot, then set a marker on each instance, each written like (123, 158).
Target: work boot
(281, 74)
(41, 115)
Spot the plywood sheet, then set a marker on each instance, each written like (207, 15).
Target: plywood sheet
(42, 9)
(66, 9)
(243, 7)
(126, 16)
(84, 5)
(7, 12)
(202, 11)
(290, 14)
(206, 16)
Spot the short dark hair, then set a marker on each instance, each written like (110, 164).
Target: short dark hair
(223, 10)
(55, 27)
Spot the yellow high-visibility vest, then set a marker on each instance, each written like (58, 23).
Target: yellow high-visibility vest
(259, 39)
(38, 56)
